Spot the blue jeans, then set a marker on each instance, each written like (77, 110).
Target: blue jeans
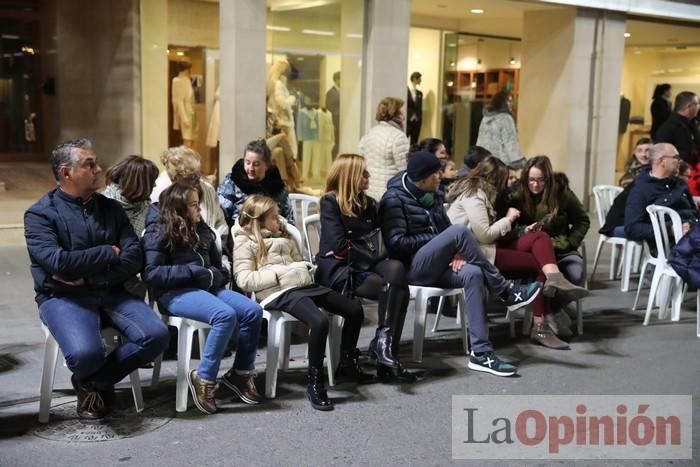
(75, 323)
(619, 231)
(430, 267)
(222, 309)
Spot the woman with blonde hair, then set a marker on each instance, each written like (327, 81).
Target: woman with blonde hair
(267, 261)
(385, 146)
(347, 214)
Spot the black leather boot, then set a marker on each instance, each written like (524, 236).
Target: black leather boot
(316, 390)
(349, 368)
(384, 347)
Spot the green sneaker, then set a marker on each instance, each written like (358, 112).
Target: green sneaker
(489, 362)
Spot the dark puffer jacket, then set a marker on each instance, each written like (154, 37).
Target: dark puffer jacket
(685, 257)
(406, 224)
(671, 192)
(183, 267)
(73, 240)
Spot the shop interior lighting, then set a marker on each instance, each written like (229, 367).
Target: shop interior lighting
(180, 54)
(278, 28)
(477, 11)
(353, 35)
(512, 60)
(318, 32)
(10, 36)
(627, 34)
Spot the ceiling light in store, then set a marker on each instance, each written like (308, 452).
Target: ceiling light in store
(300, 59)
(180, 54)
(353, 35)
(10, 36)
(512, 61)
(451, 44)
(318, 32)
(18, 54)
(450, 84)
(28, 50)
(628, 34)
(477, 11)
(278, 28)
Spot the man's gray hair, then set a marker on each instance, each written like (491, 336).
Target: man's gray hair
(657, 151)
(64, 155)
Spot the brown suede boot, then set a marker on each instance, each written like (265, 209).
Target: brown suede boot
(542, 333)
(557, 285)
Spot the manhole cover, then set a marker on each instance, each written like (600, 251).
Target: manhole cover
(121, 423)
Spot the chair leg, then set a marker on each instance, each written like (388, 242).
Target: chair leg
(613, 261)
(652, 295)
(421, 305)
(628, 254)
(697, 313)
(274, 341)
(136, 390)
(285, 345)
(527, 321)
(47, 378)
(438, 313)
(640, 285)
(185, 337)
(462, 311)
(155, 378)
(599, 248)
(678, 294)
(579, 317)
(333, 346)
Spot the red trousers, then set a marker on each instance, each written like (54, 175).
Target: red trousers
(523, 258)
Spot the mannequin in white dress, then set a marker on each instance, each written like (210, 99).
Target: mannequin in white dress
(280, 102)
(183, 105)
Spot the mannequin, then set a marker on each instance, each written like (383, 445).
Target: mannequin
(325, 142)
(280, 102)
(183, 105)
(414, 106)
(333, 106)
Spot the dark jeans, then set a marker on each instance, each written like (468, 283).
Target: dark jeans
(430, 267)
(76, 322)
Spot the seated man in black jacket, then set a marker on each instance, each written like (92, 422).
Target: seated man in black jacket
(82, 249)
(659, 185)
(437, 254)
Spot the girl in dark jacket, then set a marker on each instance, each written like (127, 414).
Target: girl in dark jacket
(184, 270)
(347, 214)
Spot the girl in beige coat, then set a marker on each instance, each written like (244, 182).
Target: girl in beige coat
(267, 261)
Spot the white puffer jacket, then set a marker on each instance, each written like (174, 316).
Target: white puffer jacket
(283, 268)
(385, 147)
(498, 134)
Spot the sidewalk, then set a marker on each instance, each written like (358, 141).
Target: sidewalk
(372, 425)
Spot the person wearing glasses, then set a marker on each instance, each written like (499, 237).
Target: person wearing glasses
(254, 174)
(182, 164)
(546, 203)
(658, 185)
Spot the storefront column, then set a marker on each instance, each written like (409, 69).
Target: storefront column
(570, 92)
(154, 78)
(386, 68)
(242, 94)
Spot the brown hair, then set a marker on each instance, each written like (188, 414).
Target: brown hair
(179, 230)
(388, 109)
(136, 177)
(252, 219)
(500, 100)
(490, 175)
(550, 195)
(344, 181)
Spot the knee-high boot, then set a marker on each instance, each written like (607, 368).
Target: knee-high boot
(384, 347)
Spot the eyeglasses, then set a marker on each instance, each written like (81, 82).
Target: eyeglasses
(537, 181)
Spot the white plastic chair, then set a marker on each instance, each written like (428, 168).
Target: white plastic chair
(665, 281)
(604, 196)
(312, 222)
(303, 203)
(278, 338)
(49, 372)
(420, 295)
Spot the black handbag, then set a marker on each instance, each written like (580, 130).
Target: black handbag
(365, 252)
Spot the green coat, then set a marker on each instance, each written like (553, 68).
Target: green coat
(567, 229)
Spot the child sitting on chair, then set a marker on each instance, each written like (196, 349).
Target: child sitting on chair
(267, 261)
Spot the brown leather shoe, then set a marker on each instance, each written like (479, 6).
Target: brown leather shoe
(202, 392)
(542, 334)
(91, 406)
(243, 386)
(559, 286)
